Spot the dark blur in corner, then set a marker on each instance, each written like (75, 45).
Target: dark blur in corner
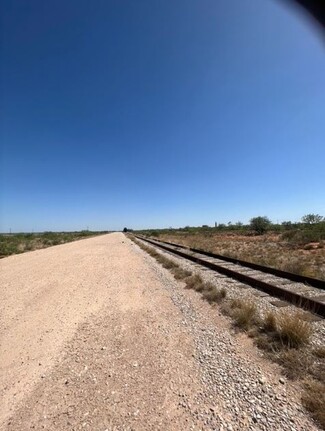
(316, 8)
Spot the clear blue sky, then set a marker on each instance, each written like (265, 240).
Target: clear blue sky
(155, 113)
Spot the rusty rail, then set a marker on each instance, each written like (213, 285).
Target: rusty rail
(297, 299)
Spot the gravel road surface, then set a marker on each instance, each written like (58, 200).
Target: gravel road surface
(95, 335)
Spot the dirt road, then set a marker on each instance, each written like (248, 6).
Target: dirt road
(95, 335)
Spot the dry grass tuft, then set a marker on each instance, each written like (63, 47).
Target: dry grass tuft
(292, 330)
(223, 293)
(313, 399)
(270, 323)
(264, 342)
(319, 352)
(166, 263)
(180, 273)
(194, 282)
(296, 363)
(208, 290)
(236, 303)
(244, 313)
(212, 294)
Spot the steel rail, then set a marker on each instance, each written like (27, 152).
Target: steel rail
(319, 284)
(296, 299)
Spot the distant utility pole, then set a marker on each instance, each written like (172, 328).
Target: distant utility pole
(10, 231)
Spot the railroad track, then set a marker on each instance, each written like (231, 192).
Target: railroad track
(304, 292)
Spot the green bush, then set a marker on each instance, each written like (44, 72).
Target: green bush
(260, 224)
(306, 234)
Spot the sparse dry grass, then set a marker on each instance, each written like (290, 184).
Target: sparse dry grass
(212, 294)
(284, 337)
(166, 263)
(314, 400)
(194, 282)
(208, 290)
(270, 250)
(22, 242)
(319, 352)
(269, 323)
(180, 273)
(296, 363)
(245, 315)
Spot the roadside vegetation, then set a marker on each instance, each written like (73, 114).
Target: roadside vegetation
(284, 337)
(293, 247)
(21, 242)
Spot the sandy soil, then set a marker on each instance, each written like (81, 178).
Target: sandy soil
(94, 297)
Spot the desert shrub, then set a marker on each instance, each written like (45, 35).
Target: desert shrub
(312, 218)
(306, 234)
(260, 224)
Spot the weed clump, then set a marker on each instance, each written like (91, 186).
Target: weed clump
(288, 330)
(270, 323)
(246, 315)
(212, 294)
(293, 331)
(194, 282)
(296, 363)
(313, 399)
(180, 273)
(208, 290)
(319, 352)
(166, 263)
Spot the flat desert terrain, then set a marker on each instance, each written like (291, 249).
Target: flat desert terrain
(96, 335)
